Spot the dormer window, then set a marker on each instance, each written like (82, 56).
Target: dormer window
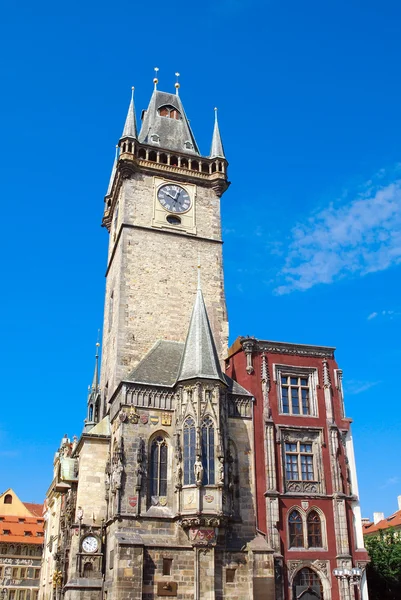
(170, 112)
(188, 146)
(154, 138)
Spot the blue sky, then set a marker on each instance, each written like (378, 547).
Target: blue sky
(309, 99)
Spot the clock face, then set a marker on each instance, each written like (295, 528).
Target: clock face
(90, 544)
(174, 198)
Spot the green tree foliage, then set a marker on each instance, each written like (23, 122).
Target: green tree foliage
(384, 571)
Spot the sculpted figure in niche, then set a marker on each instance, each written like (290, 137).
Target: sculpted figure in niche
(117, 475)
(178, 476)
(221, 470)
(198, 470)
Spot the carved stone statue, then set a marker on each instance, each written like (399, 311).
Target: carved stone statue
(198, 470)
(178, 476)
(139, 473)
(221, 470)
(117, 475)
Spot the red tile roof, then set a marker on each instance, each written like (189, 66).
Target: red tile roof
(393, 520)
(17, 526)
(36, 509)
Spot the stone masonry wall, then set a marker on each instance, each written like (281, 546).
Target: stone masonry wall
(153, 279)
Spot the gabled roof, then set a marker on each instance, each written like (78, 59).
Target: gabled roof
(200, 360)
(173, 134)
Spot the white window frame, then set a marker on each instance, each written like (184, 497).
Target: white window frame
(309, 373)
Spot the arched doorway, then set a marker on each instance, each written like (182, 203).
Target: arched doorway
(307, 585)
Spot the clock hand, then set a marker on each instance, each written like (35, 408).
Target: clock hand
(168, 194)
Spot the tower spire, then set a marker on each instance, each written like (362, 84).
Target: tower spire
(113, 172)
(95, 381)
(130, 129)
(199, 359)
(216, 150)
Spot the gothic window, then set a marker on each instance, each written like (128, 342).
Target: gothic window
(90, 418)
(189, 451)
(88, 569)
(170, 112)
(295, 395)
(208, 451)
(307, 585)
(314, 528)
(296, 531)
(299, 461)
(158, 467)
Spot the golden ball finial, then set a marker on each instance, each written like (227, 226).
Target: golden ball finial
(155, 80)
(132, 88)
(177, 85)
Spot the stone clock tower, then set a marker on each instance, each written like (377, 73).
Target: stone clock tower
(157, 498)
(162, 210)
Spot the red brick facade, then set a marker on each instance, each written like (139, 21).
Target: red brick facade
(303, 463)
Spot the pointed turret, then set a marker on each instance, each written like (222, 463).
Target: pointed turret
(165, 124)
(93, 396)
(130, 129)
(199, 359)
(216, 150)
(113, 173)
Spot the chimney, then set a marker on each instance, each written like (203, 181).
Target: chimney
(399, 502)
(378, 516)
(365, 521)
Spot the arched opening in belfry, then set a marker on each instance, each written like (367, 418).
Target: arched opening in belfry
(152, 156)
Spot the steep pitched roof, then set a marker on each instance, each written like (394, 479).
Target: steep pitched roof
(130, 129)
(200, 359)
(160, 365)
(173, 134)
(216, 150)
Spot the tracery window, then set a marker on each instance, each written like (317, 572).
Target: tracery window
(305, 580)
(158, 467)
(189, 451)
(208, 451)
(314, 528)
(296, 530)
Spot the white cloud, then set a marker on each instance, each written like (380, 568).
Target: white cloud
(357, 235)
(357, 387)
(389, 314)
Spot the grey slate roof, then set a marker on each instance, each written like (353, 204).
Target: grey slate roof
(216, 150)
(172, 133)
(130, 129)
(160, 365)
(200, 359)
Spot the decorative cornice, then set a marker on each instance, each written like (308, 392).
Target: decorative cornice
(295, 349)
